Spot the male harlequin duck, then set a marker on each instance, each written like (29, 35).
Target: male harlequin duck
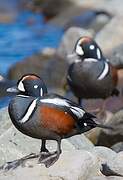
(46, 117)
(91, 75)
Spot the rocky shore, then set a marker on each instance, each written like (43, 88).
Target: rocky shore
(83, 156)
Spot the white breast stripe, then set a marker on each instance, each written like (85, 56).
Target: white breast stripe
(29, 112)
(77, 111)
(105, 71)
(41, 92)
(90, 60)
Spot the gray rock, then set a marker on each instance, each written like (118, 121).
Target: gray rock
(116, 56)
(108, 38)
(50, 67)
(117, 147)
(69, 39)
(117, 164)
(110, 137)
(72, 165)
(81, 142)
(5, 121)
(103, 153)
(112, 6)
(105, 178)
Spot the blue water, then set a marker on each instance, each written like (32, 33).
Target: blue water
(20, 39)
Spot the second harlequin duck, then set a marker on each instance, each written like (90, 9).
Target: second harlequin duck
(46, 117)
(91, 75)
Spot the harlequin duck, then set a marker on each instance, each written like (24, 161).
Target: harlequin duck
(91, 75)
(46, 117)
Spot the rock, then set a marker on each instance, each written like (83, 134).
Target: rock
(1, 78)
(116, 56)
(5, 122)
(117, 147)
(117, 164)
(103, 153)
(109, 39)
(75, 164)
(89, 19)
(69, 39)
(51, 8)
(113, 7)
(110, 137)
(105, 178)
(94, 134)
(51, 68)
(4, 85)
(81, 142)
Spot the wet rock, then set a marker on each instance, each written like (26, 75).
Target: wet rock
(69, 39)
(108, 38)
(51, 68)
(71, 165)
(117, 147)
(110, 137)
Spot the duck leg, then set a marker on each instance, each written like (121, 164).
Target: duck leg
(14, 164)
(44, 153)
(53, 157)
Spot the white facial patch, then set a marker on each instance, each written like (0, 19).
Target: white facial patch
(98, 53)
(104, 72)
(79, 49)
(21, 86)
(36, 86)
(92, 47)
(29, 112)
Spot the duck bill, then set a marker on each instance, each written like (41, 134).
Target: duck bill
(12, 90)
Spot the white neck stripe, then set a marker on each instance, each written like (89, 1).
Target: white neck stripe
(104, 72)
(90, 60)
(98, 53)
(29, 111)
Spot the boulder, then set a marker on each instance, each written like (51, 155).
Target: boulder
(69, 39)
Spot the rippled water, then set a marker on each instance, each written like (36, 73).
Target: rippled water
(21, 39)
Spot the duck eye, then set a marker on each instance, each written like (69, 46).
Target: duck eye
(92, 47)
(36, 86)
